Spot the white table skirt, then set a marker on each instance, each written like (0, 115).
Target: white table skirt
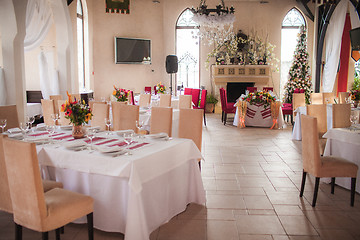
(146, 117)
(133, 194)
(33, 109)
(258, 120)
(346, 144)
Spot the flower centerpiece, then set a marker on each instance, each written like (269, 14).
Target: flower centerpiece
(160, 88)
(355, 96)
(120, 94)
(78, 113)
(259, 97)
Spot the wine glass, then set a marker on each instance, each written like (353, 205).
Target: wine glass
(24, 126)
(51, 130)
(353, 118)
(108, 124)
(128, 139)
(139, 125)
(31, 120)
(3, 123)
(90, 134)
(55, 117)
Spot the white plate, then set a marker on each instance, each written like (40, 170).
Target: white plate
(38, 140)
(41, 127)
(105, 149)
(157, 136)
(14, 130)
(16, 136)
(75, 144)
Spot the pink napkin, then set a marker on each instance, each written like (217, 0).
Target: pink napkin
(63, 137)
(94, 139)
(38, 134)
(139, 145)
(108, 141)
(119, 144)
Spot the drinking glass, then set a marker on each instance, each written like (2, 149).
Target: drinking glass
(31, 120)
(51, 130)
(3, 123)
(128, 139)
(24, 126)
(139, 125)
(353, 118)
(108, 124)
(90, 134)
(55, 117)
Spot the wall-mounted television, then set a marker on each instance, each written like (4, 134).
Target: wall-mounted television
(132, 50)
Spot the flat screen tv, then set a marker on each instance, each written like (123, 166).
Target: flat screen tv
(132, 50)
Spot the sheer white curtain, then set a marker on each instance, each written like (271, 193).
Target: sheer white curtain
(49, 78)
(2, 88)
(354, 17)
(38, 23)
(333, 45)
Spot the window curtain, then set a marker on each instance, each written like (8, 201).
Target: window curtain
(49, 78)
(38, 23)
(333, 45)
(354, 17)
(2, 88)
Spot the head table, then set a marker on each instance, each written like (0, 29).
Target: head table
(134, 194)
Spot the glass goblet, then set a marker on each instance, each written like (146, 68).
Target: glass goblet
(24, 127)
(139, 125)
(128, 139)
(90, 134)
(51, 130)
(108, 125)
(55, 117)
(3, 123)
(31, 120)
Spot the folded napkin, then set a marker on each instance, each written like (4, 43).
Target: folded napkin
(38, 140)
(107, 141)
(138, 145)
(75, 144)
(16, 136)
(94, 139)
(41, 126)
(119, 144)
(38, 134)
(105, 149)
(14, 130)
(157, 136)
(63, 137)
(122, 132)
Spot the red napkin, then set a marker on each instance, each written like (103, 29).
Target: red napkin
(139, 145)
(119, 144)
(94, 139)
(108, 141)
(38, 134)
(63, 137)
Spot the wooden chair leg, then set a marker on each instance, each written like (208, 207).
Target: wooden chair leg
(332, 185)
(57, 233)
(316, 189)
(90, 226)
(45, 236)
(303, 183)
(353, 185)
(18, 232)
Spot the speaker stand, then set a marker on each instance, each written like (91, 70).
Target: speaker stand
(171, 85)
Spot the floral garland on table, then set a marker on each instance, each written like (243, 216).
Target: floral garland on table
(355, 95)
(76, 111)
(120, 94)
(160, 88)
(259, 97)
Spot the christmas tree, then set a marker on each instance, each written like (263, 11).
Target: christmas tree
(299, 73)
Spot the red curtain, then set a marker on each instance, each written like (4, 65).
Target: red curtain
(344, 57)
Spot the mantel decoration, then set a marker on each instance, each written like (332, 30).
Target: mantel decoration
(244, 49)
(78, 113)
(120, 94)
(259, 97)
(216, 24)
(116, 6)
(160, 88)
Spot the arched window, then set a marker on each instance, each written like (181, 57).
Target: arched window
(187, 50)
(80, 46)
(289, 35)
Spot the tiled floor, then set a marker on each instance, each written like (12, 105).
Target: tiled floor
(251, 177)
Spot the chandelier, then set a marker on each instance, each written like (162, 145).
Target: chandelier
(216, 24)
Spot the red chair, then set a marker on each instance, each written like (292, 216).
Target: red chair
(267, 89)
(202, 102)
(287, 110)
(148, 90)
(187, 91)
(251, 89)
(155, 91)
(195, 97)
(132, 100)
(226, 107)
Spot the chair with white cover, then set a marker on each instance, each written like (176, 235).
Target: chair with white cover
(10, 114)
(100, 111)
(161, 120)
(341, 115)
(185, 101)
(56, 98)
(91, 104)
(165, 100)
(39, 211)
(328, 98)
(298, 100)
(76, 96)
(190, 125)
(319, 112)
(62, 120)
(5, 200)
(124, 116)
(319, 167)
(144, 100)
(343, 96)
(47, 109)
(316, 98)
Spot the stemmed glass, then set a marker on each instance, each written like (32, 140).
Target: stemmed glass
(353, 118)
(31, 120)
(90, 134)
(51, 130)
(24, 126)
(55, 117)
(108, 124)
(128, 140)
(3, 123)
(139, 125)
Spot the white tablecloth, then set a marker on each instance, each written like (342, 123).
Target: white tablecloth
(344, 143)
(296, 134)
(33, 109)
(133, 194)
(257, 116)
(146, 117)
(154, 102)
